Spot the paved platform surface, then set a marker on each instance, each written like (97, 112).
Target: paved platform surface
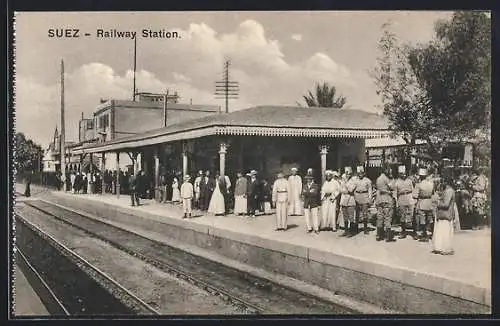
(26, 301)
(470, 265)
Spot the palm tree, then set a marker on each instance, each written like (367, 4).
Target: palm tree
(325, 97)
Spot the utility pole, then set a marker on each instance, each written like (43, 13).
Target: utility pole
(165, 100)
(166, 96)
(226, 89)
(135, 66)
(62, 136)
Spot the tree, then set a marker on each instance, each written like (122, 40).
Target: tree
(440, 91)
(28, 155)
(325, 97)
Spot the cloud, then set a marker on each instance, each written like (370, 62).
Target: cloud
(297, 37)
(190, 66)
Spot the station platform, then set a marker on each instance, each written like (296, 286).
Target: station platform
(403, 275)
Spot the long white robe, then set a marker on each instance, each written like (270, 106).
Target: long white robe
(216, 205)
(176, 194)
(295, 184)
(329, 192)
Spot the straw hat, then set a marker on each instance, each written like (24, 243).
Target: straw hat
(348, 169)
(360, 169)
(422, 172)
(401, 169)
(294, 169)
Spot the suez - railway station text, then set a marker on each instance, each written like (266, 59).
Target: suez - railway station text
(112, 33)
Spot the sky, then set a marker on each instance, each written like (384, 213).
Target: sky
(276, 58)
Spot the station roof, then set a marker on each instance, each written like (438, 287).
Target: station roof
(282, 121)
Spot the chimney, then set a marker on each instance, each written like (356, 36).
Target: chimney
(190, 101)
(82, 115)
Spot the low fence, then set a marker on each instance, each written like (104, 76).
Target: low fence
(46, 179)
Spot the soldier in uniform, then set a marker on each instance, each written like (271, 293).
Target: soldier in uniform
(347, 202)
(478, 184)
(384, 205)
(403, 188)
(425, 213)
(363, 197)
(280, 200)
(310, 194)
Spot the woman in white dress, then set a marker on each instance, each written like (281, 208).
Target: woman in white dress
(442, 236)
(176, 193)
(216, 205)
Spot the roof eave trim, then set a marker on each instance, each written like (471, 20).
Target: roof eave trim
(300, 132)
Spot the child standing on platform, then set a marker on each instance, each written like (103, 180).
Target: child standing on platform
(187, 194)
(266, 197)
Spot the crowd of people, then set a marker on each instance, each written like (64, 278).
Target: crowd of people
(426, 205)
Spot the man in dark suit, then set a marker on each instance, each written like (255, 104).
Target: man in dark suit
(311, 197)
(207, 186)
(253, 193)
(133, 188)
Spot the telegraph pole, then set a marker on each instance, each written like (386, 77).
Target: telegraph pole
(165, 99)
(62, 136)
(135, 67)
(166, 96)
(226, 89)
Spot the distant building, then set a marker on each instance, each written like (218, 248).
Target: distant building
(115, 119)
(51, 158)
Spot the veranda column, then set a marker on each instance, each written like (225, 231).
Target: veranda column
(184, 160)
(91, 169)
(222, 158)
(117, 169)
(367, 160)
(157, 173)
(103, 160)
(323, 150)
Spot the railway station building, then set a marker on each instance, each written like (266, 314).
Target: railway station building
(116, 119)
(268, 139)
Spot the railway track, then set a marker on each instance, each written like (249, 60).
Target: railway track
(247, 292)
(67, 284)
(50, 300)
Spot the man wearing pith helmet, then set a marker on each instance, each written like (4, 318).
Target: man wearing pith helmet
(347, 202)
(423, 194)
(404, 189)
(384, 205)
(363, 197)
(311, 193)
(280, 200)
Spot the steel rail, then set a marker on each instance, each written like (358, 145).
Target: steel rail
(64, 249)
(49, 299)
(179, 273)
